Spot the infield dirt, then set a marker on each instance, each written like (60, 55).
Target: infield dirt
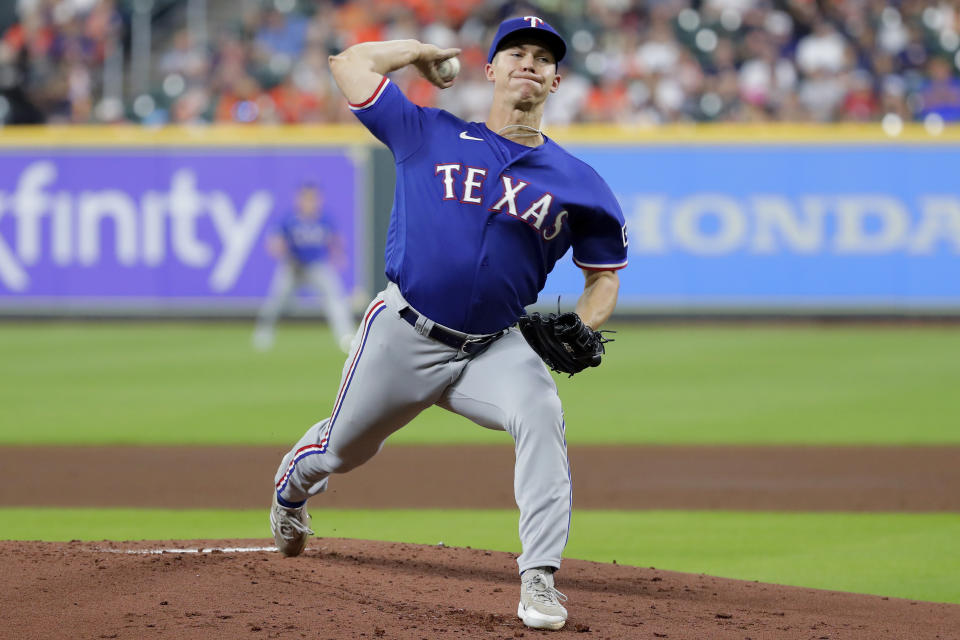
(621, 477)
(359, 589)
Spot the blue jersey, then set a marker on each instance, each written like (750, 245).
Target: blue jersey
(479, 221)
(307, 240)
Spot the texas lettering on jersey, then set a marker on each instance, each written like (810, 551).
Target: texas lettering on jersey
(469, 193)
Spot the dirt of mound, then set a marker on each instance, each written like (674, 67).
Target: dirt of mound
(621, 477)
(355, 589)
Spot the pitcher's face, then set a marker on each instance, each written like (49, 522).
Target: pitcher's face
(523, 72)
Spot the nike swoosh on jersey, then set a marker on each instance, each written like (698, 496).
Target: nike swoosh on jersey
(466, 136)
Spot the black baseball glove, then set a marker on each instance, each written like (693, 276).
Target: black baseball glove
(563, 341)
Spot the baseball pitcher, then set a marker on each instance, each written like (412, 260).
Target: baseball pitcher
(482, 212)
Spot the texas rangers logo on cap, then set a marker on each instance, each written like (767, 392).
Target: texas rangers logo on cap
(533, 25)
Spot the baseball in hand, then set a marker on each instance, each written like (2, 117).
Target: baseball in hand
(448, 69)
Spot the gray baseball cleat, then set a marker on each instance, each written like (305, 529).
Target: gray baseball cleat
(290, 528)
(540, 606)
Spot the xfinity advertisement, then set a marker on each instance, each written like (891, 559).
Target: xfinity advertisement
(118, 227)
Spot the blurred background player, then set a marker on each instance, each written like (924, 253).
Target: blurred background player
(309, 252)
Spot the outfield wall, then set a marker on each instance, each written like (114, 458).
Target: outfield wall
(721, 219)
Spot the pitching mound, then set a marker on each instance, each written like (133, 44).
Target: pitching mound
(358, 589)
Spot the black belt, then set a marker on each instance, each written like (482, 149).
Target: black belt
(469, 346)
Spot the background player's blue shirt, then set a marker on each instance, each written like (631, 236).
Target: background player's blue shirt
(478, 221)
(307, 240)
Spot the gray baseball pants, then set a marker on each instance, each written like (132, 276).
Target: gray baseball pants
(394, 371)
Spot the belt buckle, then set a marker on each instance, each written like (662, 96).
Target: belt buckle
(482, 341)
(468, 341)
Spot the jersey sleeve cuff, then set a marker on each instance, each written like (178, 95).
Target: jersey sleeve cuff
(590, 266)
(372, 100)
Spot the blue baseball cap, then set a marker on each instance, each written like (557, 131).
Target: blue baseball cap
(533, 25)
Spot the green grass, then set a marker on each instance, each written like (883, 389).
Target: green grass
(202, 384)
(908, 556)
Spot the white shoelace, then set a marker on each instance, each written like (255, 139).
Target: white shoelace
(290, 521)
(540, 591)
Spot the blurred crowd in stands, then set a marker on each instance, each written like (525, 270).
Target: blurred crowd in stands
(630, 61)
